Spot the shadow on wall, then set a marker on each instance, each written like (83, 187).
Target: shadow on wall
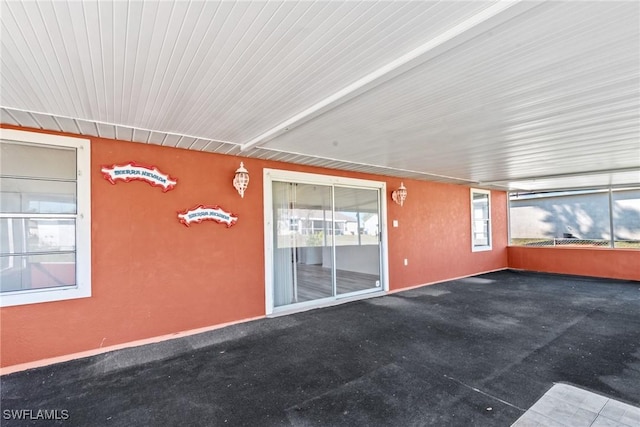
(576, 216)
(626, 215)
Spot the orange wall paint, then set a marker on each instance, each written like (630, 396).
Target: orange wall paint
(434, 235)
(152, 276)
(596, 262)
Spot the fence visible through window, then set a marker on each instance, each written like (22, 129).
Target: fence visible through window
(596, 218)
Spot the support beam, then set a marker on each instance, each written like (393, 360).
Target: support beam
(472, 27)
(560, 175)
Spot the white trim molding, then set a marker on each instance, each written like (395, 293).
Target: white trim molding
(485, 219)
(271, 175)
(82, 288)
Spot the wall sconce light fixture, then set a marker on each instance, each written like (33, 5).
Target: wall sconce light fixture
(241, 179)
(399, 195)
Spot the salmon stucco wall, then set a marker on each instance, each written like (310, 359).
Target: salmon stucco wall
(434, 235)
(152, 276)
(596, 262)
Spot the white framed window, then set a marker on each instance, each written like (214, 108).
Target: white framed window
(480, 220)
(45, 218)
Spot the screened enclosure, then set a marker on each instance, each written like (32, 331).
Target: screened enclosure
(609, 218)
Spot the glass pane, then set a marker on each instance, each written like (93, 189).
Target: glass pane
(19, 195)
(357, 240)
(626, 218)
(302, 249)
(480, 206)
(561, 218)
(25, 235)
(480, 219)
(481, 233)
(37, 271)
(37, 161)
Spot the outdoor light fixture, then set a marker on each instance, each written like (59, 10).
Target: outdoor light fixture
(400, 195)
(241, 179)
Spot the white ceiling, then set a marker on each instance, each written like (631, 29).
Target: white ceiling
(509, 95)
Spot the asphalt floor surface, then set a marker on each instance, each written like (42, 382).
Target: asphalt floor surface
(477, 351)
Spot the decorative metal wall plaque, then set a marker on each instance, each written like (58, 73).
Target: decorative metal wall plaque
(207, 213)
(133, 171)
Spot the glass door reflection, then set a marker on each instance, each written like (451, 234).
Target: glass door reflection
(303, 245)
(357, 239)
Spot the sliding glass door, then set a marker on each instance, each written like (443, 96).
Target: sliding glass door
(326, 242)
(357, 242)
(302, 242)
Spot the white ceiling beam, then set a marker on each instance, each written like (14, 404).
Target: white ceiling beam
(369, 165)
(563, 175)
(478, 24)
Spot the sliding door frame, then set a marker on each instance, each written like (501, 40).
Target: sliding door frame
(271, 175)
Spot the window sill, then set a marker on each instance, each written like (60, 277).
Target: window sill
(37, 296)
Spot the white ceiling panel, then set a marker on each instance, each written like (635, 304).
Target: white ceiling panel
(498, 106)
(46, 121)
(171, 140)
(88, 128)
(22, 118)
(106, 131)
(197, 67)
(185, 142)
(140, 135)
(598, 180)
(232, 150)
(7, 117)
(157, 138)
(210, 146)
(217, 147)
(65, 124)
(207, 145)
(492, 93)
(124, 133)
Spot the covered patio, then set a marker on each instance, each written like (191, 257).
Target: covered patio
(474, 351)
(443, 196)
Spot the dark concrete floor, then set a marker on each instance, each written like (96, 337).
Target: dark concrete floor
(475, 351)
